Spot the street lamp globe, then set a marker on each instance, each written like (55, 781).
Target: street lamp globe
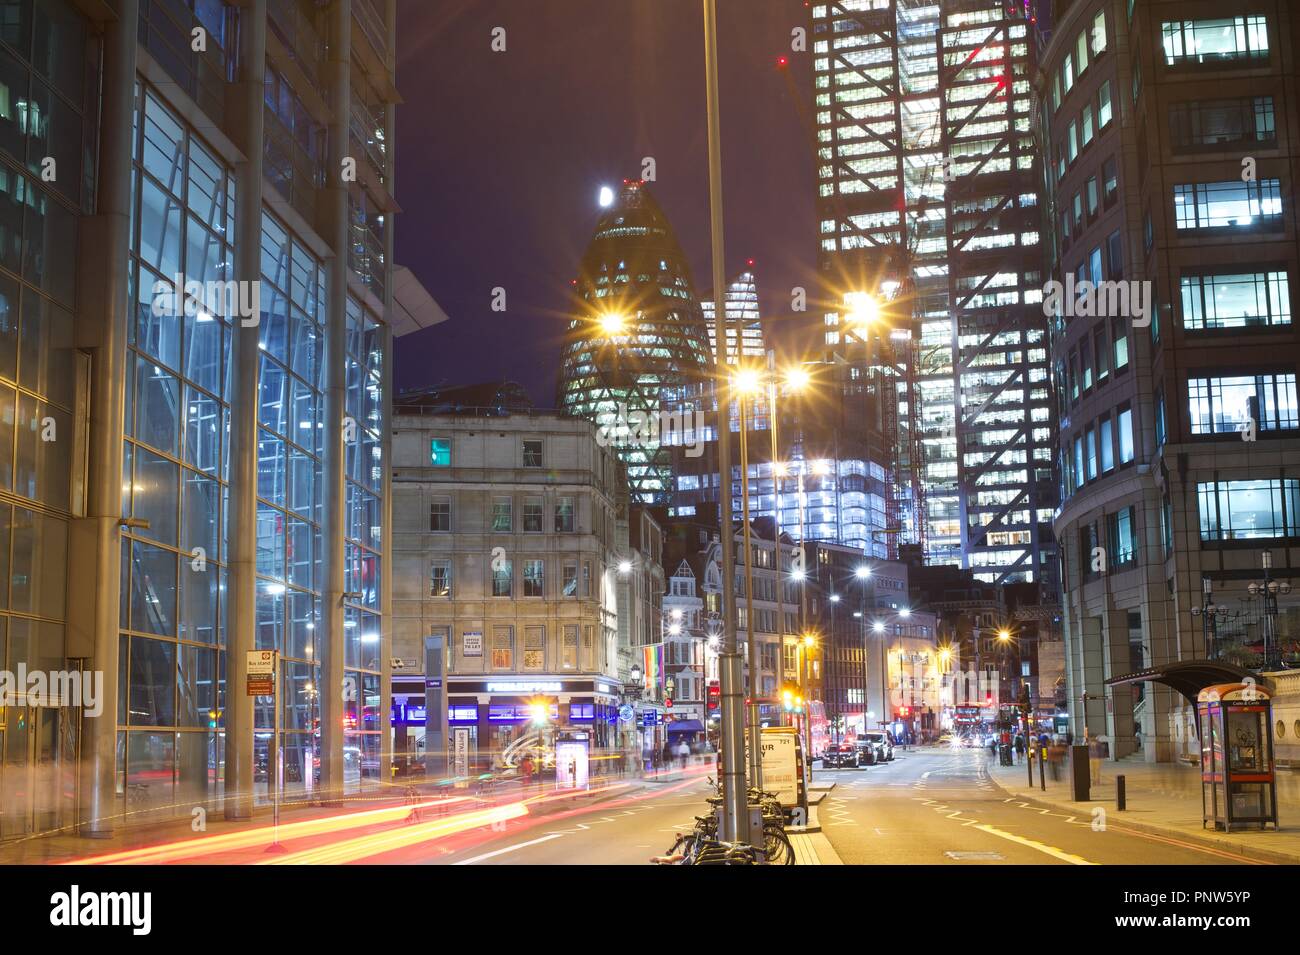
(624, 566)
(863, 572)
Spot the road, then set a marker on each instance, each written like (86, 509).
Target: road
(928, 806)
(938, 806)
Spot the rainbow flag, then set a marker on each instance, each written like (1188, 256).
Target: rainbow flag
(654, 664)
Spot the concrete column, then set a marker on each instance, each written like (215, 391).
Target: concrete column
(386, 383)
(1118, 661)
(95, 539)
(1092, 676)
(241, 547)
(333, 490)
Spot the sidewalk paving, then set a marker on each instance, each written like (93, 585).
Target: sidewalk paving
(811, 847)
(1164, 799)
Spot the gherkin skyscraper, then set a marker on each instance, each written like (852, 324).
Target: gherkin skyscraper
(636, 359)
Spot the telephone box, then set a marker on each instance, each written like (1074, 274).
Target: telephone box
(1237, 781)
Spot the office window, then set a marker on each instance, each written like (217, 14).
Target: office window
(1109, 182)
(570, 586)
(1167, 524)
(1074, 377)
(1078, 211)
(1222, 123)
(1122, 533)
(1106, 445)
(1207, 41)
(1125, 428)
(1137, 80)
(532, 452)
(440, 452)
(503, 647)
(564, 515)
(1099, 33)
(1085, 356)
(1091, 190)
(503, 575)
(1085, 127)
(1089, 541)
(1103, 105)
(1067, 73)
(535, 649)
(1225, 405)
(1236, 300)
(1148, 233)
(440, 514)
(1081, 51)
(502, 515)
(1208, 205)
(1101, 352)
(569, 647)
(1115, 255)
(440, 578)
(1072, 141)
(1091, 442)
(1160, 417)
(532, 515)
(534, 578)
(1241, 510)
(1094, 266)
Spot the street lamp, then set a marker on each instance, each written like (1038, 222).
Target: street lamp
(1210, 612)
(746, 383)
(1269, 589)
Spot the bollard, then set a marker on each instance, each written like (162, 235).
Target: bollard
(1042, 769)
(1119, 793)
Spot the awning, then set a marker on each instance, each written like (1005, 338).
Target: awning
(1189, 677)
(685, 726)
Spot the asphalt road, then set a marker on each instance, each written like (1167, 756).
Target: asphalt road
(937, 805)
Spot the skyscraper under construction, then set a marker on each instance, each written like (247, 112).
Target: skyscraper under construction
(928, 191)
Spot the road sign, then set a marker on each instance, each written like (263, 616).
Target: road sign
(668, 704)
(627, 713)
(259, 672)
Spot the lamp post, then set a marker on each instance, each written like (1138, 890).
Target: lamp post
(745, 384)
(1269, 589)
(734, 797)
(1209, 612)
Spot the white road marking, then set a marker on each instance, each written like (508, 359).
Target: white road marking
(501, 852)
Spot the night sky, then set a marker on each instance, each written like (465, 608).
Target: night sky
(500, 157)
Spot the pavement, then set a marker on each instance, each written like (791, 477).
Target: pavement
(1162, 799)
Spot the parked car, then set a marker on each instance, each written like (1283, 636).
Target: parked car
(867, 751)
(840, 755)
(883, 745)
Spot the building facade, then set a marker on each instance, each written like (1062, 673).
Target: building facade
(928, 189)
(1170, 140)
(507, 584)
(200, 311)
(636, 354)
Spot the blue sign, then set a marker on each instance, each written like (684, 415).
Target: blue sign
(649, 718)
(626, 713)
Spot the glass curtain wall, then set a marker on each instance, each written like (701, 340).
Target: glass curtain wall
(175, 467)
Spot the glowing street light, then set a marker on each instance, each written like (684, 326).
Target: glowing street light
(878, 627)
(746, 381)
(612, 323)
(863, 572)
(624, 566)
(606, 197)
(862, 310)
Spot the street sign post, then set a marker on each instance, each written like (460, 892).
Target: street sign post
(260, 669)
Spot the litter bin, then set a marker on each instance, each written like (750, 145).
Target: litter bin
(1080, 774)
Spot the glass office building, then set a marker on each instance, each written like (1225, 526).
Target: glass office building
(196, 306)
(637, 344)
(928, 200)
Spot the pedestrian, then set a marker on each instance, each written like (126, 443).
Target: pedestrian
(1020, 748)
(684, 752)
(526, 770)
(667, 757)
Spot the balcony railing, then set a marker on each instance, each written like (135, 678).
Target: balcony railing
(297, 31)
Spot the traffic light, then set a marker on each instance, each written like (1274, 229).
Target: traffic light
(904, 710)
(714, 695)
